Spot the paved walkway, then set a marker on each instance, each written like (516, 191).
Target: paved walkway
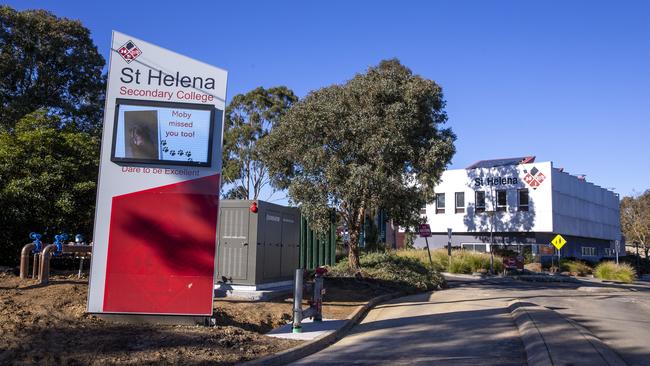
(452, 327)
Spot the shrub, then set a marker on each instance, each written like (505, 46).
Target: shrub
(617, 272)
(576, 267)
(462, 261)
(410, 273)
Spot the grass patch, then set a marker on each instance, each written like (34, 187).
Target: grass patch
(462, 261)
(616, 272)
(411, 274)
(575, 267)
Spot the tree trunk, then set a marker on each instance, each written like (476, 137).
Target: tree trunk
(353, 252)
(355, 232)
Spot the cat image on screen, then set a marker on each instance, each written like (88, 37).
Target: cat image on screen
(141, 134)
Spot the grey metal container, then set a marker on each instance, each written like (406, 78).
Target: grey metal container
(257, 248)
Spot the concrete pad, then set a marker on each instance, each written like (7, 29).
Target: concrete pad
(253, 293)
(310, 330)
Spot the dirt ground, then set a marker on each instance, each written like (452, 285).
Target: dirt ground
(47, 325)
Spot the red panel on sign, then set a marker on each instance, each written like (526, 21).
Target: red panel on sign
(161, 249)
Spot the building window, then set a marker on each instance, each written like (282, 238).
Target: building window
(609, 252)
(440, 203)
(588, 251)
(479, 197)
(460, 202)
(523, 199)
(423, 210)
(502, 202)
(476, 247)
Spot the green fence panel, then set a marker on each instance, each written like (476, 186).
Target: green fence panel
(317, 249)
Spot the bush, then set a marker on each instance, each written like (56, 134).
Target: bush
(410, 273)
(462, 261)
(616, 272)
(576, 267)
(47, 182)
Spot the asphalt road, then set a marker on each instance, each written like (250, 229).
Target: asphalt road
(617, 314)
(469, 324)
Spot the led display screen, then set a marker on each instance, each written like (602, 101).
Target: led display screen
(162, 133)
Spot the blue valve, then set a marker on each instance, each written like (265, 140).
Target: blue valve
(79, 239)
(37, 241)
(58, 241)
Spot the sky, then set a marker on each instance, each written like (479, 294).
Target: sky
(565, 81)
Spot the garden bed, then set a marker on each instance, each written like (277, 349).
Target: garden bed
(48, 325)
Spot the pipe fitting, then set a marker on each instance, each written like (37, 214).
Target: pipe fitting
(24, 259)
(46, 255)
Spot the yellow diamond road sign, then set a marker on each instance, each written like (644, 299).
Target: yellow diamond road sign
(558, 241)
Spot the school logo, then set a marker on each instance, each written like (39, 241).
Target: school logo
(534, 178)
(129, 51)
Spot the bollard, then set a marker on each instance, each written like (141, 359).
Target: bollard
(315, 310)
(297, 302)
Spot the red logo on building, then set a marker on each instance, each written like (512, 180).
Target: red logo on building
(129, 51)
(534, 178)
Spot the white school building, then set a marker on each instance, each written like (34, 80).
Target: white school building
(523, 204)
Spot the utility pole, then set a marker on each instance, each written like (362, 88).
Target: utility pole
(449, 247)
(492, 212)
(492, 241)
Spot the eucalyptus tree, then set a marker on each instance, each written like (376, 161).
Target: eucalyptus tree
(375, 142)
(635, 220)
(249, 118)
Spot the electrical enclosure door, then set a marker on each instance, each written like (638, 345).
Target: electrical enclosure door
(272, 244)
(290, 238)
(234, 243)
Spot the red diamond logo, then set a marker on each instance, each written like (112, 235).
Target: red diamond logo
(528, 178)
(534, 181)
(129, 51)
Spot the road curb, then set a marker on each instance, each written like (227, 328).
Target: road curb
(538, 351)
(313, 346)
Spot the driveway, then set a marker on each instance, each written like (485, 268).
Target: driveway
(470, 324)
(452, 327)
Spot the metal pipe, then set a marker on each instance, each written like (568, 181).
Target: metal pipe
(24, 259)
(44, 275)
(317, 301)
(297, 302)
(35, 266)
(81, 267)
